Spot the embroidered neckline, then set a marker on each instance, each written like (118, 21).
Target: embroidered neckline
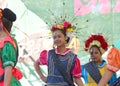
(63, 53)
(102, 64)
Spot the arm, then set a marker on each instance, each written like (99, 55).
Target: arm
(8, 75)
(105, 78)
(76, 72)
(8, 62)
(41, 61)
(38, 70)
(113, 64)
(78, 81)
(113, 78)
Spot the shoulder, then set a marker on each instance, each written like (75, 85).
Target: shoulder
(44, 53)
(10, 40)
(72, 53)
(52, 50)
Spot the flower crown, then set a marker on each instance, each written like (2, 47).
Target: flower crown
(66, 26)
(96, 40)
(1, 13)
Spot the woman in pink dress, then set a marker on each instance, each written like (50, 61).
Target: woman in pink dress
(60, 58)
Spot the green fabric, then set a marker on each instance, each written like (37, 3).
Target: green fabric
(15, 82)
(117, 44)
(8, 55)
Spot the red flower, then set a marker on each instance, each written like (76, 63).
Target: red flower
(104, 45)
(94, 37)
(87, 43)
(66, 24)
(99, 38)
(53, 28)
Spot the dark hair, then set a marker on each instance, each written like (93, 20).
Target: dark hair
(8, 24)
(68, 39)
(96, 47)
(8, 18)
(64, 33)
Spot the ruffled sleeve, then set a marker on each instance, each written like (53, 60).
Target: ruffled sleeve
(77, 69)
(113, 59)
(43, 59)
(8, 55)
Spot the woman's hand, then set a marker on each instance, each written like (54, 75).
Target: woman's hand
(78, 81)
(37, 68)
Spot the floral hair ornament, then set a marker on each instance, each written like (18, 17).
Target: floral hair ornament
(66, 26)
(1, 13)
(98, 40)
(63, 22)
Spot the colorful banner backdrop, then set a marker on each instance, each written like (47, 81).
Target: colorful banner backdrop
(84, 7)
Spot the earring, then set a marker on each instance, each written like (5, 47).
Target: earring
(54, 46)
(90, 59)
(65, 42)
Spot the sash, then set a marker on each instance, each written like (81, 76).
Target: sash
(92, 69)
